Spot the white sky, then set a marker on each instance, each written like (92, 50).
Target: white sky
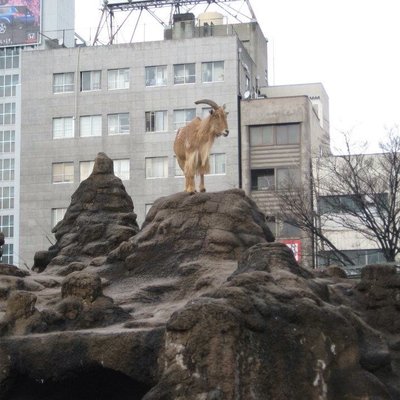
(350, 46)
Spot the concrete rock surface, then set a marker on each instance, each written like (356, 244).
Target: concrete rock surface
(200, 304)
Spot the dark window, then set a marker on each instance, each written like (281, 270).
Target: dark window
(262, 179)
(269, 135)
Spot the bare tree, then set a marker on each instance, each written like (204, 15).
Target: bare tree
(362, 193)
(355, 192)
(297, 206)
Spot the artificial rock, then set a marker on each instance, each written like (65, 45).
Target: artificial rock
(201, 303)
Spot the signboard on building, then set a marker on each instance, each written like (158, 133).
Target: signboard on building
(19, 22)
(295, 246)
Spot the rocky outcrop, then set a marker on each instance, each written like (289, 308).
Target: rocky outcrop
(99, 218)
(185, 228)
(201, 303)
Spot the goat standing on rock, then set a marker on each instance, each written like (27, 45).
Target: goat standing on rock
(193, 144)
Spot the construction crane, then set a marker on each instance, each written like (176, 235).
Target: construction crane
(130, 7)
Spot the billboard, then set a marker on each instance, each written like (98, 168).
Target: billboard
(295, 246)
(19, 22)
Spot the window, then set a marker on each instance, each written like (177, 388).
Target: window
(85, 169)
(182, 117)
(288, 134)
(7, 113)
(263, 179)
(269, 135)
(63, 83)
(287, 178)
(122, 169)
(156, 121)
(7, 225)
(7, 257)
(63, 172)
(9, 58)
(261, 135)
(8, 84)
(287, 230)
(217, 164)
(90, 125)
(156, 76)
(63, 128)
(7, 169)
(7, 197)
(118, 124)
(359, 257)
(275, 178)
(212, 71)
(7, 141)
(156, 167)
(57, 214)
(90, 80)
(283, 229)
(118, 79)
(184, 73)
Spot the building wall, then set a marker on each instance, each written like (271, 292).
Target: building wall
(58, 21)
(278, 111)
(320, 141)
(40, 105)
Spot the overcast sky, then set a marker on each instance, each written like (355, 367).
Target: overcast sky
(350, 46)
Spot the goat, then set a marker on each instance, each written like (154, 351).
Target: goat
(193, 144)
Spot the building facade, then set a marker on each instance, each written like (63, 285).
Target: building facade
(44, 31)
(128, 101)
(280, 134)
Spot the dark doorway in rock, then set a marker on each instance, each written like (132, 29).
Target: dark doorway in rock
(96, 383)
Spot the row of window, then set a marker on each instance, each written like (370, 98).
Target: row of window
(7, 113)
(7, 169)
(9, 58)
(156, 75)
(8, 251)
(280, 178)
(8, 85)
(7, 225)
(7, 141)
(270, 135)
(6, 197)
(344, 204)
(119, 124)
(155, 167)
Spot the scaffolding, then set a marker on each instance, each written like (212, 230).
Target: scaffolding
(135, 8)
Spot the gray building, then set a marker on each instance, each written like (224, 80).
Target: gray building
(54, 25)
(128, 101)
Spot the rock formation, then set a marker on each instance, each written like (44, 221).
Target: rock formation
(201, 303)
(99, 218)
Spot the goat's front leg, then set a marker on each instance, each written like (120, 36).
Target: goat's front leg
(190, 184)
(204, 169)
(202, 187)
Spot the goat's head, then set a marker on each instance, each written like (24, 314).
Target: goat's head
(218, 115)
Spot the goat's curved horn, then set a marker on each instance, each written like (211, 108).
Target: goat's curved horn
(211, 103)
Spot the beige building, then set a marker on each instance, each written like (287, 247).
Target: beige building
(280, 133)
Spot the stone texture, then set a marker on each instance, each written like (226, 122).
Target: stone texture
(200, 304)
(98, 219)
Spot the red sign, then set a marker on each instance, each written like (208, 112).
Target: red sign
(295, 246)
